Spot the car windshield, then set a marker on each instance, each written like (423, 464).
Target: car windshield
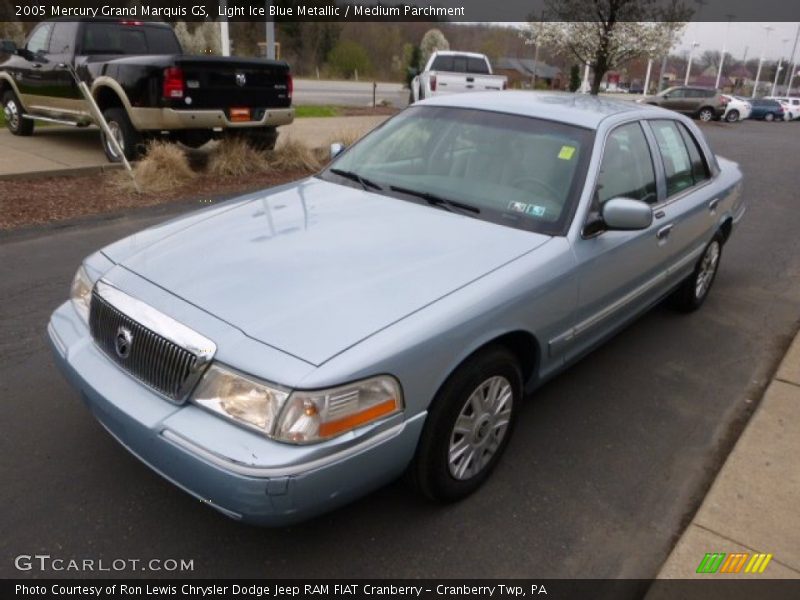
(509, 169)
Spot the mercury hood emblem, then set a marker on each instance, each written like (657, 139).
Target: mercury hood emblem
(123, 342)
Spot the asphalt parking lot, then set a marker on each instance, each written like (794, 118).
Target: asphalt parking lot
(607, 464)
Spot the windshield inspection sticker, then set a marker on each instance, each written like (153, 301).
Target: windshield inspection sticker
(566, 152)
(528, 209)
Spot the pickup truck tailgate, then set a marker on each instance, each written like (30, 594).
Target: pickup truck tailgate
(214, 82)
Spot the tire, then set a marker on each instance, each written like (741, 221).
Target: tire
(705, 114)
(732, 116)
(769, 117)
(13, 112)
(259, 138)
(694, 290)
(127, 137)
(450, 464)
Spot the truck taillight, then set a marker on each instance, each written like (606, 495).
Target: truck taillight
(289, 85)
(173, 83)
(433, 82)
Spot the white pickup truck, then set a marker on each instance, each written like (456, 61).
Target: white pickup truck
(455, 72)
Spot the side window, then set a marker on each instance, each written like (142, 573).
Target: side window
(673, 152)
(679, 93)
(627, 167)
(37, 43)
(63, 39)
(699, 167)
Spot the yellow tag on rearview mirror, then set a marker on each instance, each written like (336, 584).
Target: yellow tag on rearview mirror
(566, 152)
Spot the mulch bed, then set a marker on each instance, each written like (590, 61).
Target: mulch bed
(37, 201)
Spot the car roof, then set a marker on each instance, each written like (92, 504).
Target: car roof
(582, 110)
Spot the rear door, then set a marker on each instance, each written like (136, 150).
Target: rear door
(689, 203)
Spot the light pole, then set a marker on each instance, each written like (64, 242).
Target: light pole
(689, 64)
(778, 69)
(767, 28)
(722, 56)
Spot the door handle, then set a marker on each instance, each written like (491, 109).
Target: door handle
(664, 232)
(712, 206)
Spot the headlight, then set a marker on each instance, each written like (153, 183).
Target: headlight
(240, 398)
(301, 417)
(81, 293)
(320, 415)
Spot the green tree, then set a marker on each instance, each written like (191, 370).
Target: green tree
(347, 57)
(574, 78)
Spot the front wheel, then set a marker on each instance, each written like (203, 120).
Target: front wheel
(732, 116)
(12, 111)
(129, 140)
(769, 117)
(468, 426)
(694, 291)
(705, 115)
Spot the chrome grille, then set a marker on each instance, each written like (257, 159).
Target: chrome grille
(153, 359)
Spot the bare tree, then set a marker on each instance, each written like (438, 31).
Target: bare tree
(607, 33)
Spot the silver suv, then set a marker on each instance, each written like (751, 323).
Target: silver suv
(698, 102)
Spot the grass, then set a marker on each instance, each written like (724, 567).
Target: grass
(301, 112)
(2, 119)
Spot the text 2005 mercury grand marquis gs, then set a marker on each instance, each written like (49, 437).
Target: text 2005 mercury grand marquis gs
(282, 353)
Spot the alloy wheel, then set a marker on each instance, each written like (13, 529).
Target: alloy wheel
(708, 268)
(480, 428)
(11, 113)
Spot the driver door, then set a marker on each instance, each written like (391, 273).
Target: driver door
(31, 83)
(620, 273)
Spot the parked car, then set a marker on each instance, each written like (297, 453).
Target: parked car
(791, 106)
(698, 102)
(766, 110)
(143, 84)
(736, 109)
(389, 314)
(455, 72)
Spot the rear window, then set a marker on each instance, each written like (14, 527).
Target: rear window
(460, 64)
(121, 38)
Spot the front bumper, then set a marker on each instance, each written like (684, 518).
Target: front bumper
(274, 489)
(170, 119)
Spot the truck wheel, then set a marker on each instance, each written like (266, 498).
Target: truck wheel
(12, 110)
(122, 129)
(468, 426)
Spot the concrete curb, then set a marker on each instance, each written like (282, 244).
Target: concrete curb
(751, 508)
(66, 172)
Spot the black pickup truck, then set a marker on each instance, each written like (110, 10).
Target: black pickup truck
(143, 84)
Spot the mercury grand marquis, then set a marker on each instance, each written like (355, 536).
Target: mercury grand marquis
(282, 353)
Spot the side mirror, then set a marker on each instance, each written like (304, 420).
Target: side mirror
(336, 149)
(627, 214)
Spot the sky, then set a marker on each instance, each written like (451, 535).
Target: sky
(738, 37)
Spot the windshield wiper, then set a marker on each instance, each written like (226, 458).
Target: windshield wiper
(365, 183)
(439, 201)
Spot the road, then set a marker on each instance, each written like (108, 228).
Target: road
(607, 465)
(348, 93)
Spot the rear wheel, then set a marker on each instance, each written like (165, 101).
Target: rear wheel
(732, 116)
(13, 113)
(705, 114)
(694, 290)
(468, 426)
(769, 117)
(129, 140)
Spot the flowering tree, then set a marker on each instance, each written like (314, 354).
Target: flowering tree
(432, 41)
(607, 33)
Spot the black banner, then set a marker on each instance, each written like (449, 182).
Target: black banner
(711, 588)
(398, 10)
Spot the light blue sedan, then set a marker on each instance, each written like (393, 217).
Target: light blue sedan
(285, 352)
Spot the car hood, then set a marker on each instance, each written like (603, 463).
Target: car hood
(313, 268)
